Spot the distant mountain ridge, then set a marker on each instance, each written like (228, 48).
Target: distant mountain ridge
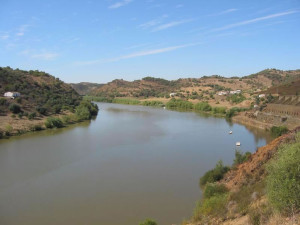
(85, 88)
(187, 87)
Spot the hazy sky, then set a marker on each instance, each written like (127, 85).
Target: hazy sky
(102, 40)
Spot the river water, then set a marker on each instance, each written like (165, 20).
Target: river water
(130, 163)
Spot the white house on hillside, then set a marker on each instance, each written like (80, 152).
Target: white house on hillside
(12, 94)
(172, 95)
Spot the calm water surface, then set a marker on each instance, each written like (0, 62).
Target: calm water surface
(129, 164)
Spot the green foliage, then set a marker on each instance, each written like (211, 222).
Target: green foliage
(86, 110)
(203, 107)
(214, 175)
(153, 103)
(283, 180)
(126, 101)
(148, 222)
(240, 157)
(52, 122)
(278, 131)
(236, 98)
(49, 93)
(231, 112)
(97, 99)
(179, 104)
(3, 101)
(213, 206)
(31, 115)
(14, 108)
(219, 110)
(213, 189)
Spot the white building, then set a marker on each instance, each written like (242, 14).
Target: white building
(12, 94)
(262, 96)
(172, 95)
(223, 93)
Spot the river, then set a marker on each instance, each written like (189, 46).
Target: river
(130, 163)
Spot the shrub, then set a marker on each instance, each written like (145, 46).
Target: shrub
(214, 175)
(14, 108)
(283, 180)
(86, 110)
(52, 122)
(219, 110)
(179, 104)
(213, 189)
(214, 206)
(148, 222)
(41, 110)
(240, 157)
(31, 115)
(203, 107)
(278, 131)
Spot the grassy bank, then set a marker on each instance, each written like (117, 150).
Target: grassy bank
(174, 104)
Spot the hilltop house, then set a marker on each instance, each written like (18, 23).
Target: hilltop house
(12, 94)
(172, 95)
(262, 96)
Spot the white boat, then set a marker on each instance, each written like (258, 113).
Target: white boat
(238, 144)
(230, 132)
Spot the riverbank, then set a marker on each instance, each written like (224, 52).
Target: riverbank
(258, 189)
(12, 125)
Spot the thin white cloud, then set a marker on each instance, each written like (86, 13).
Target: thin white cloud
(120, 4)
(171, 24)
(45, 56)
(137, 54)
(21, 31)
(154, 22)
(246, 22)
(179, 6)
(224, 12)
(4, 36)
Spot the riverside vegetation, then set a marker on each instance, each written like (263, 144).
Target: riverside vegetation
(266, 199)
(45, 102)
(174, 104)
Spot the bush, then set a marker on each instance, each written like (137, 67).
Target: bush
(86, 110)
(179, 104)
(31, 115)
(41, 110)
(52, 122)
(283, 180)
(203, 107)
(214, 175)
(214, 206)
(14, 108)
(148, 222)
(240, 157)
(219, 110)
(278, 131)
(213, 189)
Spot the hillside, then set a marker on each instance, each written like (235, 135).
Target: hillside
(259, 188)
(290, 88)
(195, 88)
(85, 88)
(40, 101)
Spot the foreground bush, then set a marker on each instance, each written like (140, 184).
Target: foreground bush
(213, 189)
(214, 175)
(240, 157)
(213, 206)
(278, 131)
(283, 180)
(203, 107)
(148, 222)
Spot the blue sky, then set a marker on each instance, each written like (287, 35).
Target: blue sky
(98, 41)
